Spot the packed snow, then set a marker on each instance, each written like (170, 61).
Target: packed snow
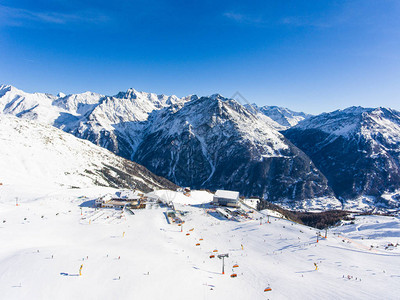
(53, 232)
(42, 155)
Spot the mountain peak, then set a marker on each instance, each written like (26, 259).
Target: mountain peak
(4, 86)
(130, 93)
(354, 110)
(8, 88)
(217, 97)
(283, 116)
(132, 90)
(4, 89)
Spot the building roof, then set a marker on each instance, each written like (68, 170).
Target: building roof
(227, 194)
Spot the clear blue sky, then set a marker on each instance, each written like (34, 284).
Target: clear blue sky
(312, 56)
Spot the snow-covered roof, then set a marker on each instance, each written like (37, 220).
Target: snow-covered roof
(125, 194)
(227, 194)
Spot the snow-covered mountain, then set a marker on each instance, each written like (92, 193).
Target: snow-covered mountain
(42, 155)
(214, 142)
(357, 149)
(112, 122)
(210, 142)
(123, 107)
(283, 116)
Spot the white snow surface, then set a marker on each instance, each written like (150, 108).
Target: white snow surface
(46, 108)
(42, 155)
(196, 197)
(368, 122)
(251, 202)
(284, 117)
(141, 256)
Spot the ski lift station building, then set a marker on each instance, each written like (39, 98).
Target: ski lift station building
(226, 198)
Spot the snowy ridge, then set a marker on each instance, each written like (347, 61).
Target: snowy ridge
(285, 117)
(368, 122)
(37, 106)
(78, 104)
(41, 155)
(123, 107)
(339, 122)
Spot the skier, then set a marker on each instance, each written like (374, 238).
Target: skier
(80, 270)
(316, 266)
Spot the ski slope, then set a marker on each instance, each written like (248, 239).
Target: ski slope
(42, 155)
(45, 240)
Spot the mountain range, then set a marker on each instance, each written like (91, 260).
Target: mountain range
(212, 142)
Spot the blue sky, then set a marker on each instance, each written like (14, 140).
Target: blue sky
(312, 56)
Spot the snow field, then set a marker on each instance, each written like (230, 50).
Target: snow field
(141, 256)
